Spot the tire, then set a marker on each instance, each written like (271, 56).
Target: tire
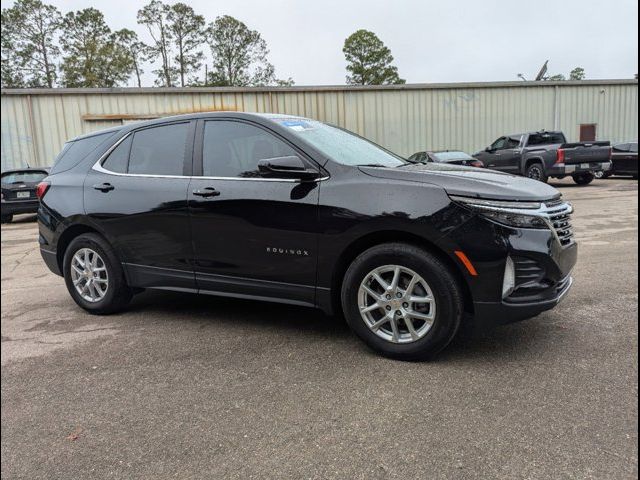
(6, 218)
(441, 287)
(116, 294)
(536, 171)
(584, 178)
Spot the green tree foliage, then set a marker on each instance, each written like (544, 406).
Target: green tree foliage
(187, 30)
(154, 17)
(137, 51)
(369, 61)
(29, 50)
(93, 57)
(577, 74)
(239, 56)
(11, 63)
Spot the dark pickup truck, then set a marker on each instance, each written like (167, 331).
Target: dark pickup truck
(540, 155)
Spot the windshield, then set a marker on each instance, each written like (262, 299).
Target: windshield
(340, 145)
(449, 156)
(23, 177)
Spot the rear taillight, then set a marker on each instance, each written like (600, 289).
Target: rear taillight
(41, 189)
(560, 156)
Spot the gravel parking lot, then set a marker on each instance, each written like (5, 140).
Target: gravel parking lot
(201, 387)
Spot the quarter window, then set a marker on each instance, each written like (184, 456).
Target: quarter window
(118, 159)
(233, 149)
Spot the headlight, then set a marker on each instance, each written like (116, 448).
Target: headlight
(512, 214)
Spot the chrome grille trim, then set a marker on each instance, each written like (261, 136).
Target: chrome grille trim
(556, 213)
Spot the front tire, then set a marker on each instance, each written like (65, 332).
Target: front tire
(536, 171)
(402, 301)
(94, 276)
(7, 218)
(584, 178)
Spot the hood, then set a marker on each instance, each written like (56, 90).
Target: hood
(469, 182)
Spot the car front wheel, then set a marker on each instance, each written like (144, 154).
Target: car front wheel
(94, 276)
(7, 218)
(402, 301)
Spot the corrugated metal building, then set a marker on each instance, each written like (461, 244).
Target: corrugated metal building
(403, 118)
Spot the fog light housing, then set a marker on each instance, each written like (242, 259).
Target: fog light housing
(509, 282)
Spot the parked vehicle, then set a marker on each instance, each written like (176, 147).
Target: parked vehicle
(624, 159)
(19, 191)
(452, 157)
(541, 155)
(292, 210)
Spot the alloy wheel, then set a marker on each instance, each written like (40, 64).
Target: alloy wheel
(396, 304)
(89, 275)
(535, 173)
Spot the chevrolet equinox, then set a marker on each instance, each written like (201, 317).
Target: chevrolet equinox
(288, 209)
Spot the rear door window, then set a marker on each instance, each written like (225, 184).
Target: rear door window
(157, 150)
(152, 151)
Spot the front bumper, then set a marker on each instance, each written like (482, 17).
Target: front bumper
(17, 207)
(503, 313)
(562, 170)
(542, 267)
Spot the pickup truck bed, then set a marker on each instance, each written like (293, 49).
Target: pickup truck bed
(540, 155)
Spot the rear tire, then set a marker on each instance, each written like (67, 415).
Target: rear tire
(7, 218)
(97, 282)
(584, 178)
(424, 338)
(536, 171)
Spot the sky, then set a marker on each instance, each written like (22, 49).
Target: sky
(431, 41)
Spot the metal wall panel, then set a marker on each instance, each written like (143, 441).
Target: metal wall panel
(405, 119)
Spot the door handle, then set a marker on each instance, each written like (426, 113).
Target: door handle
(206, 192)
(104, 187)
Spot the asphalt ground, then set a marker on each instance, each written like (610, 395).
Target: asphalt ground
(184, 386)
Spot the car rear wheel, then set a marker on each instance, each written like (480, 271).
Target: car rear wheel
(402, 301)
(7, 218)
(535, 171)
(94, 276)
(584, 178)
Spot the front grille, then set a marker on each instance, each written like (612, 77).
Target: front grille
(559, 215)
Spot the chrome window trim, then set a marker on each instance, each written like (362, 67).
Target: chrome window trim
(99, 168)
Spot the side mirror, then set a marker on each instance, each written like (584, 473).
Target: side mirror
(286, 167)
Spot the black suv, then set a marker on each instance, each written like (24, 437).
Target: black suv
(292, 210)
